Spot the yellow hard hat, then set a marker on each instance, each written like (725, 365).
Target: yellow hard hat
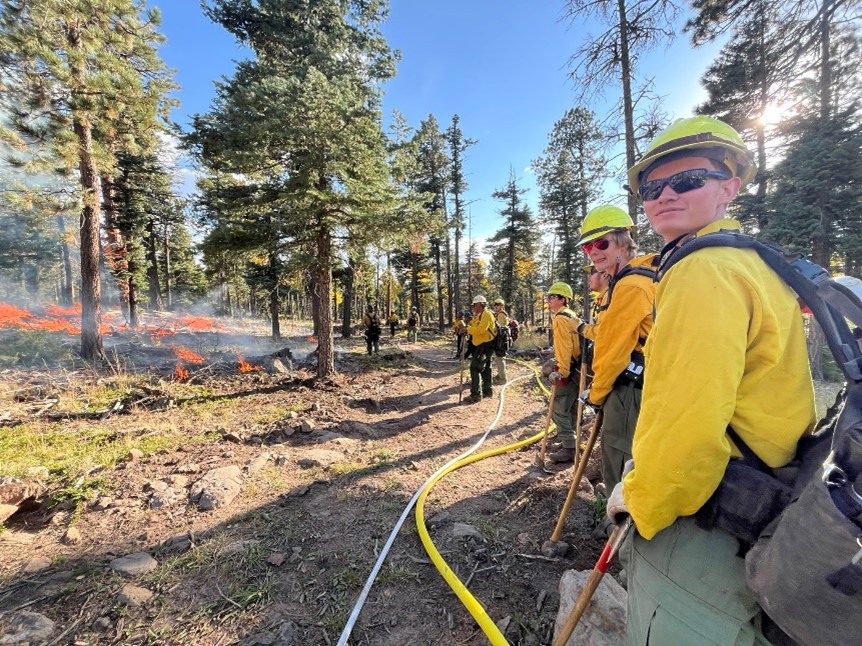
(561, 289)
(710, 137)
(499, 301)
(604, 219)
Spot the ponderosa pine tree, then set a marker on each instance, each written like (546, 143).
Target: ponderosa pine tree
(73, 63)
(569, 174)
(513, 247)
(313, 89)
(457, 188)
(429, 180)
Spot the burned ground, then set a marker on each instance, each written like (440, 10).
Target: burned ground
(326, 471)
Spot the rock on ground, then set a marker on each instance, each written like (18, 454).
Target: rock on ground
(134, 564)
(132, 595)
(217, 488)
(604, 622)
(26, 628)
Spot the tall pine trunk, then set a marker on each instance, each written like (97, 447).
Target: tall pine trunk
(349, 278)
(91, 315)
(323, 291)
(439, 270)
(628, 106)
(273, 296)
(132, 290)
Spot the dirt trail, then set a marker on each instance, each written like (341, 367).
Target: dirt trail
(286, 559)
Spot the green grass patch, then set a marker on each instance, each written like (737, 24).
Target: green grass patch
(68, 451)
(79, 493)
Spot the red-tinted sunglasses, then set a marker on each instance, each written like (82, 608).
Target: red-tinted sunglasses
(601, 244)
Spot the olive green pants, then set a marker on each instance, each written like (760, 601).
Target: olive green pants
(687, 586)
(621, 409)
(564, 411)
(500, 362)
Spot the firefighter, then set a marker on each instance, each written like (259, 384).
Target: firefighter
(412, 324)
(727, 350)
(482, 331)
(618, 361)
(372, 330)
(459, 328)
(502, 320)
(567, 352)
(393, 323)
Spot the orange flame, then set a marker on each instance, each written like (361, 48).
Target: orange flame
(245, 366)
(56, 310)
(181, 374)
(187, 355)
(311, 339)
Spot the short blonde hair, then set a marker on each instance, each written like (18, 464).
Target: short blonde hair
(623, 238)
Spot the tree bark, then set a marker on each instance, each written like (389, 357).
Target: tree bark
(323, 290)
(349, 277)
(273, 297)
(439, 269)
(91, 314)
(628, 107)
(132, 290)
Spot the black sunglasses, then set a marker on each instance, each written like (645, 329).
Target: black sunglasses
(682, 182)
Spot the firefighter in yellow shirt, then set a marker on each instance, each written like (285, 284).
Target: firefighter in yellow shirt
(482, 331)
(567, 352)
(727, 351)
(459, 328)
(618, 361)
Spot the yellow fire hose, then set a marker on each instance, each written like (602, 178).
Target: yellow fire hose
(473, 606)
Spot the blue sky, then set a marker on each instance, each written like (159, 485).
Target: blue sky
(501, 65)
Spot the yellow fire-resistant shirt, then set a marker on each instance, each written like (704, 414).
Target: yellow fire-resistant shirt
(502, 318)
(459, 325)
(482, 328)
(728, 348)
(625, 323)
(591, 329)
(566, 340)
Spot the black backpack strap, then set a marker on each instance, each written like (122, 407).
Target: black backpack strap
(626, 271)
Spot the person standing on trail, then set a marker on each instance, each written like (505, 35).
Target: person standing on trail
(618, 359)
(412, 324)
(502, 320)
(599, 290)
(372, 330)
(564, 377)
(459, 328)
(393, 322)
(727, 351)
(482, 331)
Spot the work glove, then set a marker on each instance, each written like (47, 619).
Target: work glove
(557, 378)
(628, 467)
(584, 398)
(617, 510)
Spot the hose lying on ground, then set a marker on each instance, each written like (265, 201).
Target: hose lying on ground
(470, 602)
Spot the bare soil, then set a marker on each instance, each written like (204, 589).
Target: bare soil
(286, 560)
